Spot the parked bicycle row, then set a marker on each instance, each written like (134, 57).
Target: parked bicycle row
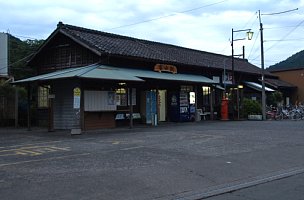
(287, 112)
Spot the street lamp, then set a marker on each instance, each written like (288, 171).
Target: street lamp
(249, 34)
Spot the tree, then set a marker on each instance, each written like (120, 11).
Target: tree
(294, 61)
(19, 53)
(275, 98)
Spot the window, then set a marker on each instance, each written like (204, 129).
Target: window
(121, 97)
(206, 95)
(186, 88)
(43, 92)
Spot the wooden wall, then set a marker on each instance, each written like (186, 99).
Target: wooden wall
(64, 115)
(98, 120)
(61, 52)
(295, 77)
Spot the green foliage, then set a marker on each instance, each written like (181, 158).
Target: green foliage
(294, 61)
(19, 53)
(6, 89)
(251, 107)
(274, 98)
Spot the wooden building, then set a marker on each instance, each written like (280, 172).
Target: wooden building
(89, 79)
(294, 76)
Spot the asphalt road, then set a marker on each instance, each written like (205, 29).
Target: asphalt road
(171, 161)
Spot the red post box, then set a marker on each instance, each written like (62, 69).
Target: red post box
(224, 109)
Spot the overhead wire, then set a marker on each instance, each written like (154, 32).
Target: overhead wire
(244, 27)
(283, 12)
(253, 46)
(144, 21)
(166, 16)
(286, 35)
(278, 27)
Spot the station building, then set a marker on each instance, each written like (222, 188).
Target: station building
(88, 79)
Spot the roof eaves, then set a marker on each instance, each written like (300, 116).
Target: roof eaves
(44, 44)
(79, 41)
(284, 69)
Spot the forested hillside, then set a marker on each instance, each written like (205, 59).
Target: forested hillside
(293, 62)
(19, 53)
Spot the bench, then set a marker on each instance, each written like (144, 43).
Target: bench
(122, 116)
(204, 114)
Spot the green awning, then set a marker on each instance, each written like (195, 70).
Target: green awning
(103, 72)
(90, 72)
(147, 74)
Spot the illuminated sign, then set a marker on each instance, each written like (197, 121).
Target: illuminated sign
(165, 68)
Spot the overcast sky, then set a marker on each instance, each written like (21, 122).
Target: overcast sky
(198, 24)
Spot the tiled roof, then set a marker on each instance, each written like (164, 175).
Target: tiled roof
(277, 83)
(284, 68)
(113, 44)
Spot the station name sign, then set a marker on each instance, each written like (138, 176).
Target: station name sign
(165, 68)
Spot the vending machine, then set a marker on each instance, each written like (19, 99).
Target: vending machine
(151, 107)
(181, 106)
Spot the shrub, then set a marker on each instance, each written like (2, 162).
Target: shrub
(252, 107)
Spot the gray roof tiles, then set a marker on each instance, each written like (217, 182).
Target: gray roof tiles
(103, 42)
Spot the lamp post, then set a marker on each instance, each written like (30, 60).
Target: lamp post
(249, 37)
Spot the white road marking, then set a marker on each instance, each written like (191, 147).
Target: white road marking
(44, 159)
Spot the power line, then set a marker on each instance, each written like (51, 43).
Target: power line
(278, 13)
(285, 36)
(25, 37)
(287, 40)
(279, 27)
(256, 38)
(166, 16)
(244, 27)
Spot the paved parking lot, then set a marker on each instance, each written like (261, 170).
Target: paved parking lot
(171, 161)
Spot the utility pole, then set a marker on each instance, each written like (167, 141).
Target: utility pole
(262, 59)
(262, 70)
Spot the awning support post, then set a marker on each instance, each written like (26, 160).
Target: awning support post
(131, 107)
(211, 103)
(16, 107)
(28, 107)
(51, 112)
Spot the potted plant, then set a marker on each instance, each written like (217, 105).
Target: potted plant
(252, 109)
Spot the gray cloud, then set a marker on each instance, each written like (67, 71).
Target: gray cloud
(206, 28)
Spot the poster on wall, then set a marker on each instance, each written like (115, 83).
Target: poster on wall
(77, 93)
(111, 98)
(95, 100)
(227, 78)
(183, 99)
